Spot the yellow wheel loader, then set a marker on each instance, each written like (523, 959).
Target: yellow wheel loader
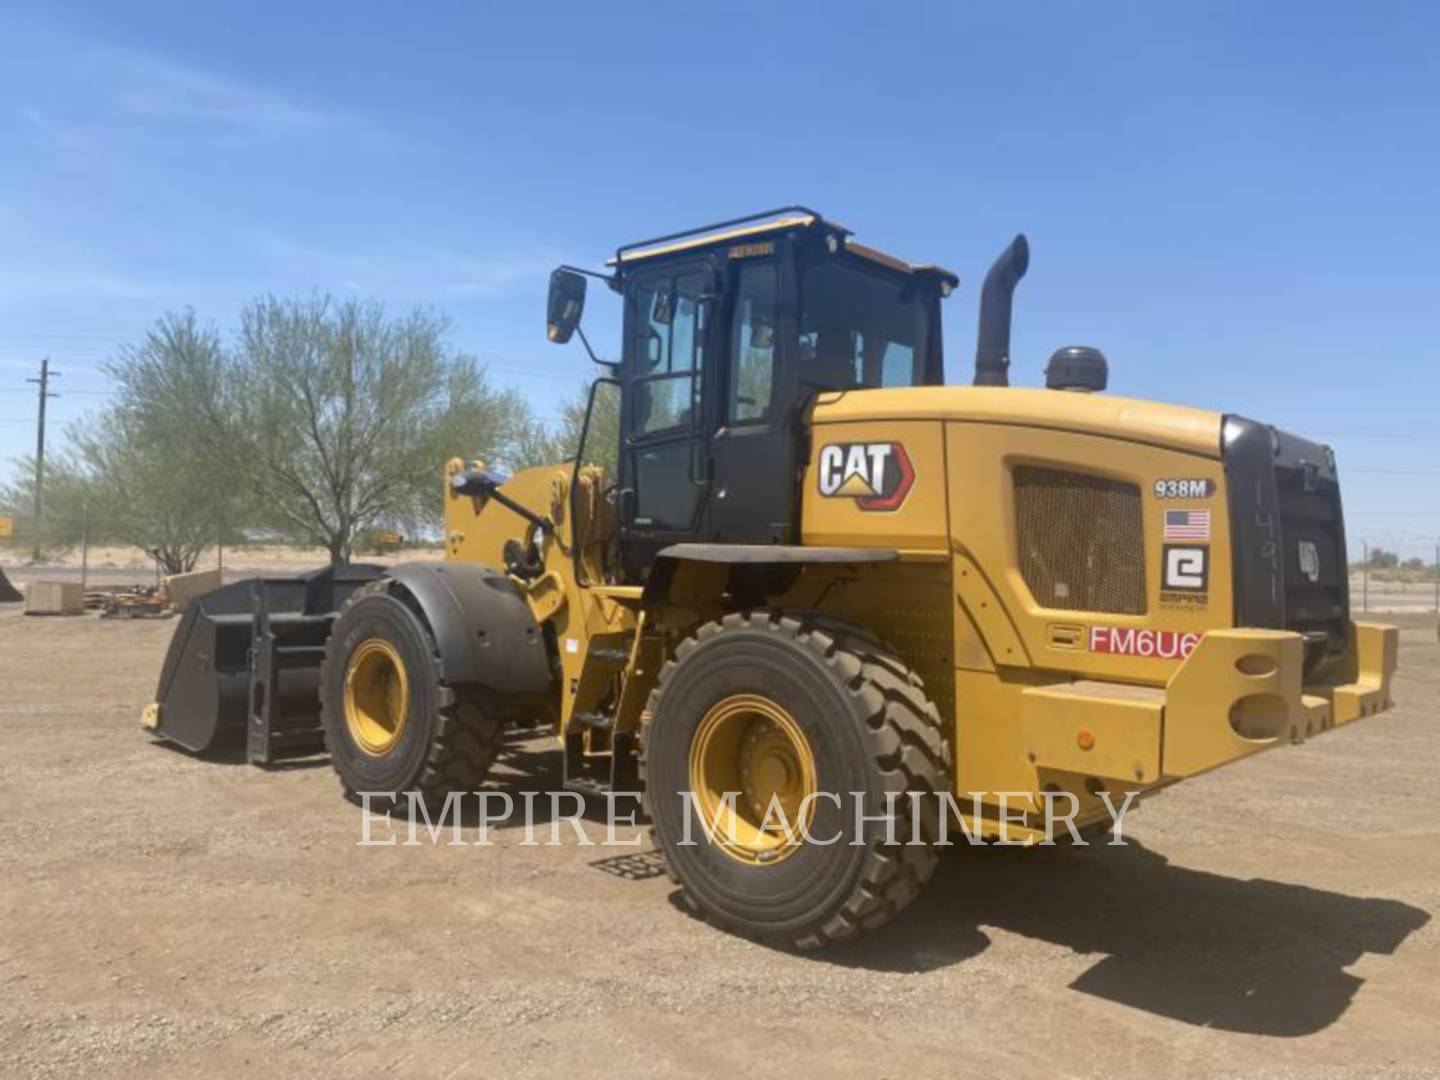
(825, 611)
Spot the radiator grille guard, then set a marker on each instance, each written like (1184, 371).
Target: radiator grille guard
(1082, 544)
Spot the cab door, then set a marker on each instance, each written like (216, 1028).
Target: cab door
(754, 451)
(669, 337)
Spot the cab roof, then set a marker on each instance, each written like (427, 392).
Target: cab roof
(785, 219)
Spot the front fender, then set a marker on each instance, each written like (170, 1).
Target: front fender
(485, 633)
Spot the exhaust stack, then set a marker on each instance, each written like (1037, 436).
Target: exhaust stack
(992, 350)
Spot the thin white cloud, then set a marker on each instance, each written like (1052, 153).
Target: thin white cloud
(66, 281)
(480, 279)
(149, 87)
(116, 92)
(415, 272)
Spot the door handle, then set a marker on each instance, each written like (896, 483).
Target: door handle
(625, 506)
(701, 464)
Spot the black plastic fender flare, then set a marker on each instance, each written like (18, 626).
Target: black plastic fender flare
(669, 559)
(483, 628)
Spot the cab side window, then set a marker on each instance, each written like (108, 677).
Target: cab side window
(752, 345)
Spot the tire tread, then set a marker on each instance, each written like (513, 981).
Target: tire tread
(906, 739)
(466, 739)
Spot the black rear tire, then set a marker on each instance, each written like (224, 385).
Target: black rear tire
(448, 740)
(870, 728)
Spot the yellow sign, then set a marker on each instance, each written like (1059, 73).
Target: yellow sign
(749, 251)
(391, 539)
(7, 528)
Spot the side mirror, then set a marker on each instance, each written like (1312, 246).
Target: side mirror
(566, 305)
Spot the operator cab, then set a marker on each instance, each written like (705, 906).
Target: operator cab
(729, 333)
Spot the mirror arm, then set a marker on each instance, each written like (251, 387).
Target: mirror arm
(483, 486)
(609, 279)
(613, 365)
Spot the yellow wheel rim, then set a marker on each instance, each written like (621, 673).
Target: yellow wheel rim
(377, 696)
(751, 749)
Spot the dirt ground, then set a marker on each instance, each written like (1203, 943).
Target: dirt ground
(163, 915)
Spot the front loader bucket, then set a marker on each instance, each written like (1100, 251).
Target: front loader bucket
(8, 593)
(244, 665)
(205, 683)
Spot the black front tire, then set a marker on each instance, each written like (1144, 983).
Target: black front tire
(449, 739)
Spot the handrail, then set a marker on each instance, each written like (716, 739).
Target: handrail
(815, 216)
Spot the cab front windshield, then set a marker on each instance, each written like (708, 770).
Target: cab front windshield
(861, 329)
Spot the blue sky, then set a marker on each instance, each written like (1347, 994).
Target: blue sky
(1236, 201)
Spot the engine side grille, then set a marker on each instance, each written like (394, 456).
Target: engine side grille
(1082, 545)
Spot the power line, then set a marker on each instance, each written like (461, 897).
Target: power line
(1419, 434)
(68, 393)
(61, 334)
(1394, 472)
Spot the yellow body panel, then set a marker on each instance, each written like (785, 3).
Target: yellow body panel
(1027, 681)
(920, 522)
(983, 531)
(1238, 693)
(1374, 650)
(585, 617)
(1108, 730)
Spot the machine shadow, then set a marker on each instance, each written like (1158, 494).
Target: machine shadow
(1251, 956)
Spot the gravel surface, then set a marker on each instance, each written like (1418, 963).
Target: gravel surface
(164, 915)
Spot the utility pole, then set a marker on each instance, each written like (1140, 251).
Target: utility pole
(85, 551)
(1365, 578)
(44, 388)
(1437, 578)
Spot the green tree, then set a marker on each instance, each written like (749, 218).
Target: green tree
(342, 418)
(327, 419)
(1380, 559)
(66, 496)
(147, 493)
(157, 464)
(145, 471)
(540, 445)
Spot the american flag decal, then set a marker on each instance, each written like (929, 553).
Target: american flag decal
(1187, 524)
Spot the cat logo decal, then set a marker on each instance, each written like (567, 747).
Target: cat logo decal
(877, 476)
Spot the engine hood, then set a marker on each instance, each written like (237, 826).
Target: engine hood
(1178, 427)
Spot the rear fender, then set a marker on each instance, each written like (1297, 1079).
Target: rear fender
(752, 572)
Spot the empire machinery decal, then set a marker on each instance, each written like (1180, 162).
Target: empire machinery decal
(877, 475)
(1185, 576)
(1142, 641)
